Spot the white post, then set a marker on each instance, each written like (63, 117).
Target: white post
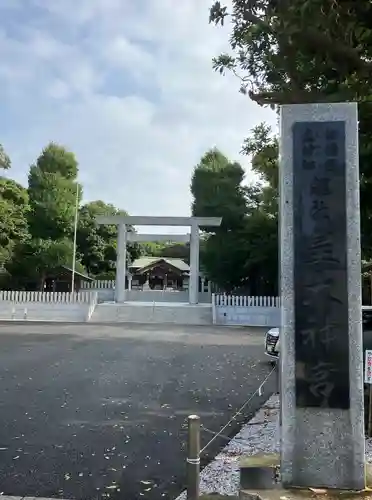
(74, 244)
(121, 256)
(130, 277)
(214, 312)
(194, 265)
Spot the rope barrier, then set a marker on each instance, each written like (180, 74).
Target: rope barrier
(219, 433)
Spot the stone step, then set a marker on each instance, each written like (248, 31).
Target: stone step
(259, 472)
(172, 314)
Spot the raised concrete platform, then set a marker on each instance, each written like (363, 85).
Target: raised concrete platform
(44, 311)
(155, 312)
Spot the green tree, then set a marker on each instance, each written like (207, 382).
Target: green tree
(5, 162)
(34, 259)
(263, 149)
(244, 259)
(152, 248)
(175, 251)
(216, 187)
(13, 212)
(13, 217)
(242, 252)
(97, 244)
(52, 189)
(165, 249)
(281, 58)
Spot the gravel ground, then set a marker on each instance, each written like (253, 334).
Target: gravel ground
(89, 411)
(369, 450)
(259, 435)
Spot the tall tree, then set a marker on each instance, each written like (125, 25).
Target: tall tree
(216, 187)
(243, 251)
(13, 212)
(52, 189)
(97, 244)
(165, 249)
(13, 217)
(281, 58)
(175, 251)
(35, 258)
(263, 149)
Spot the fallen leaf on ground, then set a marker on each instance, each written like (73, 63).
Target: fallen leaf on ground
(112, 487)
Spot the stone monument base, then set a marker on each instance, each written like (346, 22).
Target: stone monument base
(300, 494)
(260, 480)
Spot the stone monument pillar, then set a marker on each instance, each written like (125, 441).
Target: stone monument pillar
(321, 332)
(194, 264)
(121, 263)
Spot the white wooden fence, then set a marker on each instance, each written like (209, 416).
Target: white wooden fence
(246, 301)
(106, 284)
(60, 297)
(245, 310)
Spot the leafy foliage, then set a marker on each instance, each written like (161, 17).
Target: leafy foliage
(34, 259)
(281, 57)
(216, 186)
(242, 253)
(5, 162)
(165, 249)
(13, 219)
(52, 193)
(263, 148)
(47, 220)
(97, 244)
(37, 224)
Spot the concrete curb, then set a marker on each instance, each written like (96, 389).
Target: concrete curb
(6, 497)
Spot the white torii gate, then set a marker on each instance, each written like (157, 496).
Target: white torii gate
(122, 221)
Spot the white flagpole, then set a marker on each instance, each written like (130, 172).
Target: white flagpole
(74, 247)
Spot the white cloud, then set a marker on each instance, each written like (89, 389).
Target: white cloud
(129, 87)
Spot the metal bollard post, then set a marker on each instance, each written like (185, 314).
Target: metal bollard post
(193, 457)
(25, 313)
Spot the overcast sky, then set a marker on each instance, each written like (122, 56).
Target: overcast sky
(128, 86)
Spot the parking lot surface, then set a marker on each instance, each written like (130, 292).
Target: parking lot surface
(97, 411)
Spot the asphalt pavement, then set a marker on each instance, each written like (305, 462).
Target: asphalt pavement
(96, 411)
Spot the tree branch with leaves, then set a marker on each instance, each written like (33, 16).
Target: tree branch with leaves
(281, 58)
